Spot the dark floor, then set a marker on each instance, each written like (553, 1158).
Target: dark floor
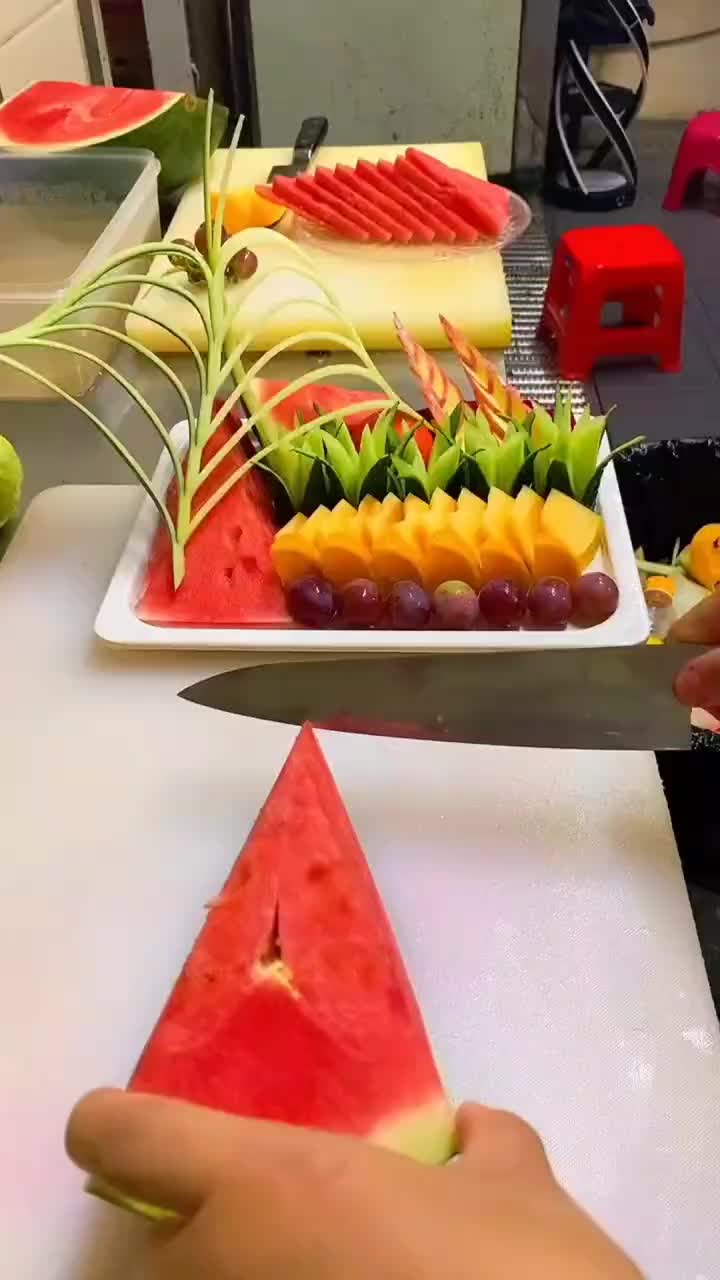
(661, 406)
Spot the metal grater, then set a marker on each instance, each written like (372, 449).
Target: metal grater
(530, 364)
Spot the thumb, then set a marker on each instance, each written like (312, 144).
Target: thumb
(499, 1143)
(172, 1155)
(700, 625)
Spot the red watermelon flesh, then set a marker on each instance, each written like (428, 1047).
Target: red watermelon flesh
(321, 397)
(433, 197)
(294, 1004)
(485, 204)
(371, 209)
(413, 229)
(320, 192)
(308, 206)
(414, 212)
(229, 579)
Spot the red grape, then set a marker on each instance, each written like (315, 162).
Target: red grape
(595, 599)
(455, 606)
(311, 601)
(550, 603)
(503, 604)
(361, 603)
(408, 607)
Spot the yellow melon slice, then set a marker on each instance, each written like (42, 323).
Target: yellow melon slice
(571, 525)
(527, 514)
(316, 526)
(379, 516)
(442, 504)
(345, 554)
(552, 560)
(499, 558)
(469, 518)
(343, 513)
(449, 557)
(293, 554)
(499, 514)
(397, 555)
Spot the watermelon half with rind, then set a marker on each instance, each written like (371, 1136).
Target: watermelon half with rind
(59, 115)
(294, 1004)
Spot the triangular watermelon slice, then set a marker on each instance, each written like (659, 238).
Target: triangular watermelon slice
(229, 578)
(294, 1004)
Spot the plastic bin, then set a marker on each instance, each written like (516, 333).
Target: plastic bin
(61, 217)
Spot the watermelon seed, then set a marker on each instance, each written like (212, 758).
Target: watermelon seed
(318, 871)
(229, 572)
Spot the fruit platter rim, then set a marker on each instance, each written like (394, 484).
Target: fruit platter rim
(311, 235)
(117, 623)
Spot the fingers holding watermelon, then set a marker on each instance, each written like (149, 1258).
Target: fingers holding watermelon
(263, 1201)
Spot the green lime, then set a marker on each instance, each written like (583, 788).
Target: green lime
(11, 481)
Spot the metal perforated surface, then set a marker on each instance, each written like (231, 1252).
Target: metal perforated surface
(530, 363)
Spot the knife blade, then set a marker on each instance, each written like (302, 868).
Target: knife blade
(601, 699)
(311, 135)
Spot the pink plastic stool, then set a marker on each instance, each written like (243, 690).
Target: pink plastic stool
(637, 267)
(698, 152)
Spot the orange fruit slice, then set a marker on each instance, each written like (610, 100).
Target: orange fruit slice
(245, 208)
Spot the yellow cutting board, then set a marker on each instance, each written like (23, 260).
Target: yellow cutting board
(370, 284)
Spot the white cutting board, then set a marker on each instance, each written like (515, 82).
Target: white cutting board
(537, 897)
(371, 284)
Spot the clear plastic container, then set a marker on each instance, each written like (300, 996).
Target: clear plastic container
(61, 217)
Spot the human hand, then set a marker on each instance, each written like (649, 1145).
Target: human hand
(698, 684)
(263, 1201)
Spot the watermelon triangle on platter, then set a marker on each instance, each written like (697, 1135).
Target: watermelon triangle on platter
(294, 1004)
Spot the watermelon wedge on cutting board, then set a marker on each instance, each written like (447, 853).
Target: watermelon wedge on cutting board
(294, 1004)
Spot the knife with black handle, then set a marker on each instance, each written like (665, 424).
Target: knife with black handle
(312, 134)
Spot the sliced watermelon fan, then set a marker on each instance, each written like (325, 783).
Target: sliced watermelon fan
(416, 200)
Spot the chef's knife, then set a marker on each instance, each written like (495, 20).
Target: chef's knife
(606, 699)
(313, 132)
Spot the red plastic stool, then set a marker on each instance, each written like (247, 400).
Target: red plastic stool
(698, 152)
(637, 267)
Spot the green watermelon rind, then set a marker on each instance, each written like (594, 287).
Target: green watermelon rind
(425, 1133)
(104, 1191)
(176, 137)
(174, 132)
